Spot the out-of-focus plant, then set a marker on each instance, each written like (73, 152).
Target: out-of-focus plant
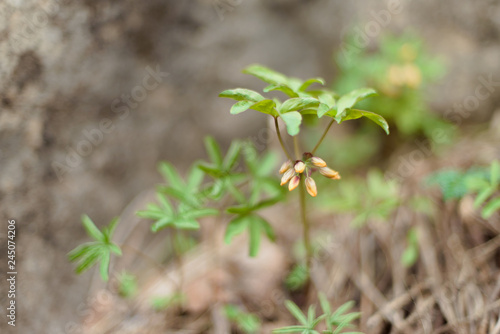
(335, 322)
(127, 285)
(99, 250)
(373, 198)
(248, 323)
(237, 185)
(483, 183)
(401, 70)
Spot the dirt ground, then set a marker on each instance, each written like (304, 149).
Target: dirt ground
(67, 70)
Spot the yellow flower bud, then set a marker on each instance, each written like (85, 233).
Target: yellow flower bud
(311, 187)
(329, 173)
(287, 176)
(299, 167)
(318, 162)
(286, 166)
(294, 183)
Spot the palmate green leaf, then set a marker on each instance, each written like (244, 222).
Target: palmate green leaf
(350, 99)
(255, 224)
(356, 113)
(89, 254)
(242, 94)
(292, 121)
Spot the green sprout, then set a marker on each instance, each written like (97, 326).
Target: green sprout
(88, 254)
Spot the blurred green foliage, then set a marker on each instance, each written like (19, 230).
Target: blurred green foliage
(401, 70)
(127, 285)
(248, 323)
(483, 183)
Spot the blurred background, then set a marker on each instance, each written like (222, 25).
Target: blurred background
(93, 94)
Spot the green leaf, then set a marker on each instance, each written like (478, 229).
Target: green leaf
(241, 106)
(350, 99)
(410, 256)
(296, 312)
(292, 120)
(235, 227)
(322, 110)
(490, 208)
(325, 305)
(309, 82)
(356, 113)
(266, 74)
(88, 260)
(161, 224)
(451, 182)
(232, 155)
(91, 229)
(103, 268)
(483, 196)
(115, 249)
(213, 150)
(81, 250)
(169, 173)
(267, 228)
(298, 103)
(110, 229)
(297, 278)
(266, 107)
(242, 94)
(198, 213)
(187, 224)
(254, 230)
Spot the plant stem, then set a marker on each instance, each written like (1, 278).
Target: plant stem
(323, 136)
(296, 147)
(281, 139)
(305, 225)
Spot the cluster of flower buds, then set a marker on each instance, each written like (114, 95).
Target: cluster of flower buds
(293, 172)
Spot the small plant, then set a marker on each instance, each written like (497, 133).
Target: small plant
(379, 200)
(99, 250)
(334, 322)
(127, 285)
(248, 323)
(484, 183)
(234, 187)
(161, 303)
(402, 70)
